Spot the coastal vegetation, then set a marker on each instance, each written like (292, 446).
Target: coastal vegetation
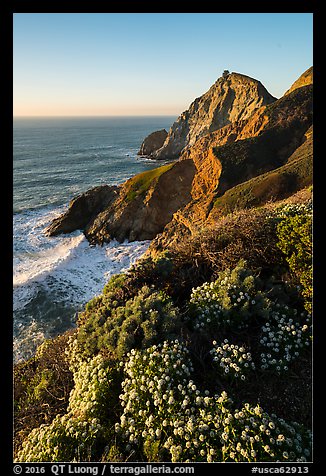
(139, 184)
(186, 356)
(202, 351)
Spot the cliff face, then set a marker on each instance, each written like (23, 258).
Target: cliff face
(263, 154)
(231, 99)
(304, 80)
(283, 128)
(141, 212)
(138, 210)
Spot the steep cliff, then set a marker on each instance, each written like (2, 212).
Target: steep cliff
(271, 143)
(231, 98)
(283, 129)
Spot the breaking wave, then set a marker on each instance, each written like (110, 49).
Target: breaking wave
(54, 277)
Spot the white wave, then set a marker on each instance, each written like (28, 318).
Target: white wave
(26, 341)
(29, 225)
(66, 282)
(43, 262)
(55, 277)
(73, 268)
(84, 274)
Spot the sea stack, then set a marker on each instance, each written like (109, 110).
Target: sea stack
(153, 142)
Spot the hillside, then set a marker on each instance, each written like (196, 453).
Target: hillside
(305, 79)
(201, 352)
(279, 183)
(178, 197)
(147, 355)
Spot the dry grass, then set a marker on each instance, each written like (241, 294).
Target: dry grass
(244, 234)
(41, 388)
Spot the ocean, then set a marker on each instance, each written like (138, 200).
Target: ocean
(56, 159)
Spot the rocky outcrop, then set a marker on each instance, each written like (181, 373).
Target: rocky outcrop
(151, 143)
(284, 127)
(304, 80)
(169, 202)
(263, 119)
(232, 98)
(83, 209)
(141, 216)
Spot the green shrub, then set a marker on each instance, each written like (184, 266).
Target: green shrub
(42, 387)
(141, 321)
(158, 271)
(115, 283)
(65, 439)
(294, 232)
(165, 411)
(79, 434)
(232, 301)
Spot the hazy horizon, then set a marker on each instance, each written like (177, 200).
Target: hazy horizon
(95, 115)
(148, 64)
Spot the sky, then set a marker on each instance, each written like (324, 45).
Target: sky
(103, 64)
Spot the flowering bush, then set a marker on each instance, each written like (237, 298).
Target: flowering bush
(292, 210)
(75, 435)
(250, 434)
(164, 416)
(138, 323)
(156, 383)
(235, 361)
(163, 410)
(67, 438)
(231, 301)
(91, 394)
(283, 338)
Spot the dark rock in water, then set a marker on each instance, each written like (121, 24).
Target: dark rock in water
(153, 142)
(82, 209)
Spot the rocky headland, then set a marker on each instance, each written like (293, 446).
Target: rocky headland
(228, 273)
(232, 98)
(236, 146)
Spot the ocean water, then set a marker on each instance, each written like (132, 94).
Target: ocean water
(56, 159)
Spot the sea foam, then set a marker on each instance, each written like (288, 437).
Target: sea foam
(55, 277)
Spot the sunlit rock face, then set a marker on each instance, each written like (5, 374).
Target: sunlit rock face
(231, 98)
(252, 139)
